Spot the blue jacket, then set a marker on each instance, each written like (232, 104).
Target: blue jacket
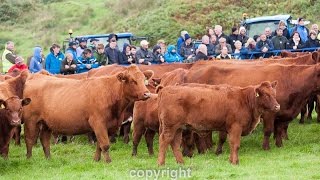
(53, 63)
(179, 44)
(81, 64)
(35, 62)
(303, 32)
(170, 56)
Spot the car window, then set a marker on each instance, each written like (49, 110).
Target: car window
(258, 28)
(105, 42)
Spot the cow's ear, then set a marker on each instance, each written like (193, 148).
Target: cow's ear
(274, 84)
(156, 81)
(3, 104)
(257, 92)
(25, 101)
(6, 77)
(315, 56)
(148, 74)
(122, 77)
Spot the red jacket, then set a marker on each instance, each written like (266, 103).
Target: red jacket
(21, 67)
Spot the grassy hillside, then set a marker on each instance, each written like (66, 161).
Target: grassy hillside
(43, 22)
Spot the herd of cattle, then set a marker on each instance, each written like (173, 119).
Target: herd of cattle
(184, 103)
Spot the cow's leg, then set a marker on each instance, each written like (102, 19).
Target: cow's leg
(175, 145)
(97, 155)
(222, 140)
(126, 131)
(234, 142)
(187, 144)
(280, 128)
(137, 133)
(91, 137)
(303, 114)
(165, 139)
(268, 126)
(284, 131)
(318, 108)
(16, 135)
(45, 135)
(311, 106)
(149, 136)
(31, 132)
(200, 143)
(55, 138)
(101, 132)
(208, 140)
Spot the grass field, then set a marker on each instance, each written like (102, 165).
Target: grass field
(298, 159)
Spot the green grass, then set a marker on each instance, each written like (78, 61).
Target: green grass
(298, 159)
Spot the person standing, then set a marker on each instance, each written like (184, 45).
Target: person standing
(54, 59)
(36, 60)
(8, 57)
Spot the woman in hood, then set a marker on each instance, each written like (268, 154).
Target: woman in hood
(35, 63)
(126, 57)
(171, 55)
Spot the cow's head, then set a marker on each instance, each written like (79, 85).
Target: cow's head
(134, 83)
(265, 95)
(12, 108)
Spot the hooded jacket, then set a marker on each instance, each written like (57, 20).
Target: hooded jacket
(35, 62)
(53, 63)
(170, 56)
(124, 57)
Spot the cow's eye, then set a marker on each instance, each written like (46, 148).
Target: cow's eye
(133, 82)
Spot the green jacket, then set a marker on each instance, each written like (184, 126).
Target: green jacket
(101, 58)
(279, 42)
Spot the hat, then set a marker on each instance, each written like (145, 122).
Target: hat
(112, 35)
(72, 43)
(186, 36)
(144, 42)
(234, 29)
(82, 40)
(156, 47)
(94, 39)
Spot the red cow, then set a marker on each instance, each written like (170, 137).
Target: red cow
(70, 107)
(10, 118)
(200, 107)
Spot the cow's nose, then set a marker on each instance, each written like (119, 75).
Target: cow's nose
(146, 95)
(277, 107)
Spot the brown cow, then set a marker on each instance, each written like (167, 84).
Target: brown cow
(145, 121)
(201, 107)
(9, 118)
(68, 106)
(296, 84)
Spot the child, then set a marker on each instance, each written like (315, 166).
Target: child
(18, 65)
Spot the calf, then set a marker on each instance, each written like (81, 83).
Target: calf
(9, 118)
(233, 110)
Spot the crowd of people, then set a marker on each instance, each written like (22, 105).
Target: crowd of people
(81, 57)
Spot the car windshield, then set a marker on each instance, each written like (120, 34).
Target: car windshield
(258, 28)
(120, 42)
